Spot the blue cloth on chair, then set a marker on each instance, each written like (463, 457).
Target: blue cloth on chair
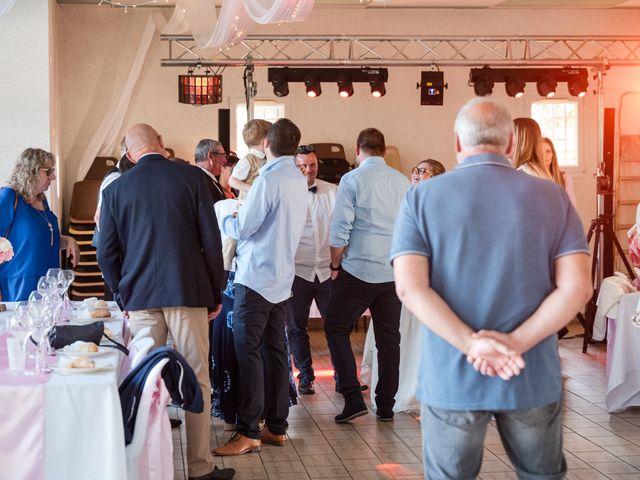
(178, 376)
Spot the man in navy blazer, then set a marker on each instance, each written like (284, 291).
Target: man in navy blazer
(160, 252)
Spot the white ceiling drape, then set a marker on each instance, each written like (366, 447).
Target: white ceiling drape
(5, 6)
(275, 11)
(210, 31)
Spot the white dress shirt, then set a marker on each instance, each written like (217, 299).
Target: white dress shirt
(243, 167)
(213, 178)
(313, 255)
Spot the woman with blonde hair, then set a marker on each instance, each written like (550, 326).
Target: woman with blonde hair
(559, 176)
(527, 153)
(30, 226)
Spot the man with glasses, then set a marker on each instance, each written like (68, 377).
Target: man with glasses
(313, 277)
(211, 157)
(367, 203)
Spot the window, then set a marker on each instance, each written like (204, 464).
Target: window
(558, 120)
(263, 110)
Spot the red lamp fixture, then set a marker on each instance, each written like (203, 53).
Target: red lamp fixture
(199, 88)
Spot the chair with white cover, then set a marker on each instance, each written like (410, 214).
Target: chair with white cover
(150, 453)
(139, 347)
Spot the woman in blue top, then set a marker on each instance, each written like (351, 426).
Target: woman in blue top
(32, 227)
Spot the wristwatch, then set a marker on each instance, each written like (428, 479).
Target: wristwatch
(335, 269)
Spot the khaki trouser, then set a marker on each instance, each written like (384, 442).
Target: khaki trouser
(190, 331)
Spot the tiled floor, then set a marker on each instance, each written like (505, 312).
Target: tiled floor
(597, 445)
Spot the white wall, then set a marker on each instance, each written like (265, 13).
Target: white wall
(24, 82)
(98, 44)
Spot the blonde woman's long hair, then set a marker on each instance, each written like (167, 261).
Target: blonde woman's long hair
(24, 176)
(528, 150)
(554, 168)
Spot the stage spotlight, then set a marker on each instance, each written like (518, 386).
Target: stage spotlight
(280, 85)
(515, 86)
(312, 83)
(345, 86)
(547, 86)
(483, 86)
(377, 86)
(578, 86)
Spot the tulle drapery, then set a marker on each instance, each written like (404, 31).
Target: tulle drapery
(209, 30)
(5, 6)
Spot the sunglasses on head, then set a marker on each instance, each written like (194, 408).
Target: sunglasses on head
(305, 149)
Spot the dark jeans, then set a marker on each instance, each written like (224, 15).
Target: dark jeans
(298, 306)
(350, 297)
(258, 337)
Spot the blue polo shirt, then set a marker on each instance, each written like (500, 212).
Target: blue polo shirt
(492, 235)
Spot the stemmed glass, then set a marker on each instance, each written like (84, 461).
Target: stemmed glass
(40, 325)
(65, 278)
(18, 327)
(53, 273)
(43, 285)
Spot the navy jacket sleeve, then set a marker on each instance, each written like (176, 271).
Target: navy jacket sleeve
(210, 239)
(109, 251)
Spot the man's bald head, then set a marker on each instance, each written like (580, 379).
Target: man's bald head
(142, 139)
(483, 125)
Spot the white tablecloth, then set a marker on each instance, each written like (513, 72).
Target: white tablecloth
(611, 290)
(623, 356)
(84, 434)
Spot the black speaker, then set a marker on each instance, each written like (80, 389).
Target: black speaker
(224, 127)
(432, 88)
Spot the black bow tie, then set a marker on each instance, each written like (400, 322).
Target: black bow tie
(313, 189)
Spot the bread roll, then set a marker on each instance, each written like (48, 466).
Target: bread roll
(87, 347)
(82, 362)
(100, 313)
(100, 304)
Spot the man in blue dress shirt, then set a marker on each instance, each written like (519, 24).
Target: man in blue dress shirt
(268, 228)
(367, 203)
(493, 262)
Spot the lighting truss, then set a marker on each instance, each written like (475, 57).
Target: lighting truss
(546, 80)
(471, 51)
(314, 77)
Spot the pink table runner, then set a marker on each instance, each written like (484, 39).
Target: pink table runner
(21, 420)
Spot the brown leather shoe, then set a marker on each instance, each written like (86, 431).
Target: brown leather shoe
(237, 445)
(271, 438)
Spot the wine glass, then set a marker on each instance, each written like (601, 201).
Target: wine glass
(39, 326)
(18, 327)
(66, 277)
(53, 272)
(43, 285)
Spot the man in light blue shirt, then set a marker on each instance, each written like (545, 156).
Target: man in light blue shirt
(268, 228)
(367, 203)
(493, 262)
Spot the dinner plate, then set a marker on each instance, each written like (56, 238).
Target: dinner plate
(73, 371)
(72, 353)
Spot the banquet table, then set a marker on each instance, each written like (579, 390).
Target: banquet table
(59, 426)
(623, 355)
